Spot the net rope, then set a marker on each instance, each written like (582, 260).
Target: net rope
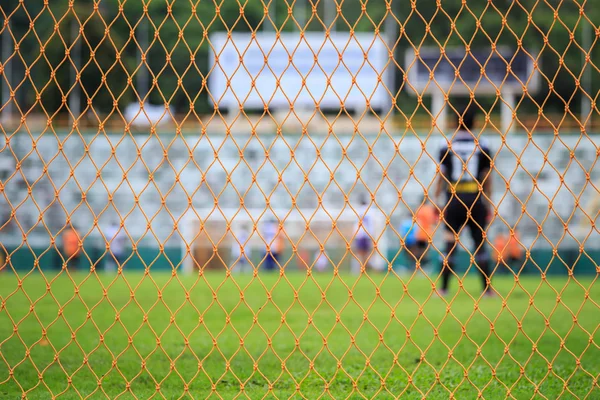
(111, 124)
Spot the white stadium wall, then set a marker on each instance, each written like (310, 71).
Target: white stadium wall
(331, 165)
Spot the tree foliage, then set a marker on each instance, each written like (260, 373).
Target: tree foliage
(177, 56)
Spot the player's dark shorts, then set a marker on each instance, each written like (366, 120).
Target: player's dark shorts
(421, 244)
(456, 213)
(364, 243)
(271, 260)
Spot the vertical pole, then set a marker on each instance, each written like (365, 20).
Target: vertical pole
(391, 34)
(300, 13)
(75, 97)
(142, 74)
(272, 26)
(586, 84)
(187, 256)
(439, 110)
(506, 112)
(7, 50)
(329, 14)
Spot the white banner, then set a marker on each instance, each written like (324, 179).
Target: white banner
(304, 71)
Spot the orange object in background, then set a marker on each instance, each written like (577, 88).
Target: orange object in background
(278, 245)
(508, 246)
(427, 217)
(70, 242)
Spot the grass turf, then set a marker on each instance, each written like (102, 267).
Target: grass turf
(295, 336)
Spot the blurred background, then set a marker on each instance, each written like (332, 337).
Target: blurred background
(145, 115)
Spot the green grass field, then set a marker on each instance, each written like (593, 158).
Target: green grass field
(295, 336)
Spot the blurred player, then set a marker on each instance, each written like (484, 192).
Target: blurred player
(465, 163)
(70, 247)
(427, 217)
(272, 236)
(363, 244)
(115, 236)
(242, 258)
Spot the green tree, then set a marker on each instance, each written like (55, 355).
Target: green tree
(177, 53)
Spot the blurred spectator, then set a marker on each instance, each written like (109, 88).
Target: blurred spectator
(115, 236)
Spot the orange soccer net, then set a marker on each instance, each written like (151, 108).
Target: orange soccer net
(268, 199)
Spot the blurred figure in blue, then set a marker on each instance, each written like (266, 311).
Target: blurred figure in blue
(363, 242)
(408, 234)
(273, 238)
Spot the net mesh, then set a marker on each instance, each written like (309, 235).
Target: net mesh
(173, 225)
